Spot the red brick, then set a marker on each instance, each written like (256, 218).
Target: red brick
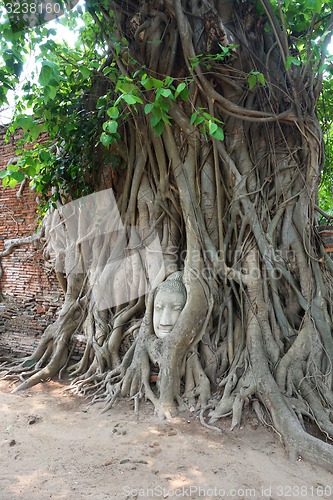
(25, 276)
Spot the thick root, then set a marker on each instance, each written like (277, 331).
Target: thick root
(298, 443)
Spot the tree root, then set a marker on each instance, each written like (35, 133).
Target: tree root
(298, 443)
(52, 352)
(257, 324)
(202, 420)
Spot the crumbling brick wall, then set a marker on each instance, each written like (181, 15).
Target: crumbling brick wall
(26, 281)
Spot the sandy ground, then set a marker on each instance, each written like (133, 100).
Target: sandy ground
(54, 445)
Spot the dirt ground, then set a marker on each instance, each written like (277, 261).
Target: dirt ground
(54, 445)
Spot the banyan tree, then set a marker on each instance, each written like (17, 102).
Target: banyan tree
(195, 273)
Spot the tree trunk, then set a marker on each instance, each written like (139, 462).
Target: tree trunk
(236, 216)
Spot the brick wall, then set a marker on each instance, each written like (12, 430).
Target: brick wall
(30, 289)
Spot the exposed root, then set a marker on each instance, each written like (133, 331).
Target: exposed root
(203, 422)
(296, 440)
(237, 217)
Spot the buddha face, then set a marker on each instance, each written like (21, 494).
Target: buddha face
(167, 308)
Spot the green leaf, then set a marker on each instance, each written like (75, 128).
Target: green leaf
(108, 70)
(166, 93)
(110, 126)
(48, 72)
(113, 112)
(125, 87)
(12, 167)
(206, 115)
(148, 108)
(35, 131)
(317, 5)
(193, 118)
(131, 99)
(101, 102)
(3, 174)
(218, 134)
(168, 80)
(31, 171)
(289, 61)
(167, 119)
(158, 112)
(194, 61)
(106, 139)
(11, 182)
(95, 64)
(158, 127)
(161, 104)
(212, 127)
(24, 122)
(180, 89)
(85, 72)
(261, 79)
(50, 92)
(252, 80)
(196, 119)
(45, 155)
(17, 176)
(292, 60)
(185, 94)
(155, 120)
(47, 114)
(152, 83)
(68, 70)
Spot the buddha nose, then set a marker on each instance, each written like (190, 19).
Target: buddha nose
(165, 317)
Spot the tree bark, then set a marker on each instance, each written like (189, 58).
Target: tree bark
(237, 216)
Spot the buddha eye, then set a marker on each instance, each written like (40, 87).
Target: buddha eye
(157, 307)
